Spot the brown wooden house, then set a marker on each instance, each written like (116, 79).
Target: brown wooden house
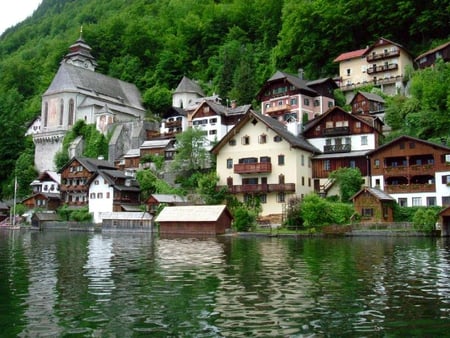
(367, 103)
(430, 57)
(194, 220)
(156, 200)
(413, 171)
(75, 176)
(344, 139)
(43, 200)
(444, 220)
(374, 205)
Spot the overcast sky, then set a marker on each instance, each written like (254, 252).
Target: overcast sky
(15, 11)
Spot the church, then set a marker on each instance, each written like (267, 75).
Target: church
(78, 92)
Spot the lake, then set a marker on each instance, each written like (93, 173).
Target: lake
(71, 284)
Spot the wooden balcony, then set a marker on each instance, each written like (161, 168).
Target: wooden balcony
(413, 170)
(278, 108)
(74, 188)
(260, 188)
(253, 168)
(337, 148)
(382, 56)
(409, 188)
(379, 69)
(336, 131)
(172, 124)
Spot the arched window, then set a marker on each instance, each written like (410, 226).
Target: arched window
(45, 114)
(71, 109)
(61, 112)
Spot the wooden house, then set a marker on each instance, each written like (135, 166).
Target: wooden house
(127, 221)
(4, 211)
(343, 139)
(40, 219)
(374, 205)
(194, 220)
(444, 220)
(413, 171)
(156, 200)
(430, 57)
(43, 200)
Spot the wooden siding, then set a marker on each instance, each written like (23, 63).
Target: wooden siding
(196, 228)
(318, 165)
(382, 211)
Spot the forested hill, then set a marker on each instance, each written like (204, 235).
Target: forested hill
(230, 46)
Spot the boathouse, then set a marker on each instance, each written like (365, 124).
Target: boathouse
(194, 220)
(127, 221)
(444, 220)
(373, 205)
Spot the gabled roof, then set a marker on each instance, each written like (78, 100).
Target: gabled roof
(126, 215)
(223, 110)
(90, 164)
(297, 82)
(115, 178)
(378, 194)
(168, 198)
(192, 213)
(156, 144)
(279, 128)
(73, 78)
(46, 195)
(46, 216)
(186, 85)
(132, 153)
(314, 122)
(49, 175)
(434, 50)
(351, 55)
(409, 138)
(383, 41)
(369, 96)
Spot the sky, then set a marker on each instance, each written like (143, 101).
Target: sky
(13, 12)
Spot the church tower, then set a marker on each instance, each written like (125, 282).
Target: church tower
(80, 54)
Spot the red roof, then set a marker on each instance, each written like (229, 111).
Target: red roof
(350, 55)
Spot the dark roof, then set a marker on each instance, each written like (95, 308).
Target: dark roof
(70, 77)
(294, 80)
(410, 138)
(46, 216)
(186, 85)
(90, 164)
(223, 110)
(434, 50)
(379, 194)
(276, 126)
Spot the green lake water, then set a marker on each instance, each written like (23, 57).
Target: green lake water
(69, 284)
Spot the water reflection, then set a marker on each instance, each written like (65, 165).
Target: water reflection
(94, 285)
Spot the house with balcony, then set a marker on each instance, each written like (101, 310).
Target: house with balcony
(344, 139)
(369, 104)
(430, 57)
(413, 171)
(292, 99)
(111, 190)
(75, 176)
(174, 121)
(260, 158)
(382, 64)
(217, 120)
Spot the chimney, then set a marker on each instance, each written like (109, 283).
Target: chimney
(233, 104)
(300, 73)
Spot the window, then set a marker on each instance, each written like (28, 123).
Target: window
(281, 179)
(309, 181)
(61, 112)
(306, 102)
(250, 180)
(213, 132)
(45, 114)
(92, 196)
(364, 140)
(262, 138)
(302, 160)
(303, 180)
(352, 164)
(96, 182)
(245, 140)
(367, 212)
(281, 197)
(416, 201)
(349, 71)
(403, 202)
(280, 103)
(376, 163)
(330, 104)
(232, 142)
(108, 195)
(412, 145)
(264, 159)
(293, 102)
(263, 198)
(229, 181)
(99, 195)
(229, 163)
(431, 201)
(327, 165)
(71, 110)
(213, 120)
(358, 125)
(377, 182)
(277, 138)
(445, 200)
(280, 159)
(316, 103)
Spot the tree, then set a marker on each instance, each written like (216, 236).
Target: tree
(208, 190)
(425, 219)
(349, 181)
(191, 153)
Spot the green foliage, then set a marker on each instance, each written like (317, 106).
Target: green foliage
(349, 181)
(294, 218)
(244, 218)
(81, 215)
(157, 160)
(150, 183)
(191, 154)
(318, 212)
(207, 189)
(64, 212)
(425, 219)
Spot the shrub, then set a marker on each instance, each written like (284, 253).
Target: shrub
(424, 219)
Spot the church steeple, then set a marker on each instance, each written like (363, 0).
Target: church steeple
(80, 54)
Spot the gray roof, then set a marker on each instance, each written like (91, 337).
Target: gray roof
(186, 85)
(151, 144)
(371, 96)
(379, 194)
(93, 164)
(337, 155)
(169, 198)
(73, 78)
(46, 216)
(191, 213)
(294, 80)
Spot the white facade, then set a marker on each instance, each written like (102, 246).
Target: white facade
(101, 196)
(360, 142)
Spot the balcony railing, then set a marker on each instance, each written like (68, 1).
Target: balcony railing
(381, 56)
(261, 188)
(379, 69)
(413, 170)
(336, 131)
(171, 124)
(74, 188)
(253, 168)
(278, 108)
(337, 148)
(409, 188)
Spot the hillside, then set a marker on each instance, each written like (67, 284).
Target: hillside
(229, 46)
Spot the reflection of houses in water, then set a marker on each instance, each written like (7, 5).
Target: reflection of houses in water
(98, 267)
(189, 252)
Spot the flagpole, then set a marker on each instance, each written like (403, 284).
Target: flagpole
(14, 204)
